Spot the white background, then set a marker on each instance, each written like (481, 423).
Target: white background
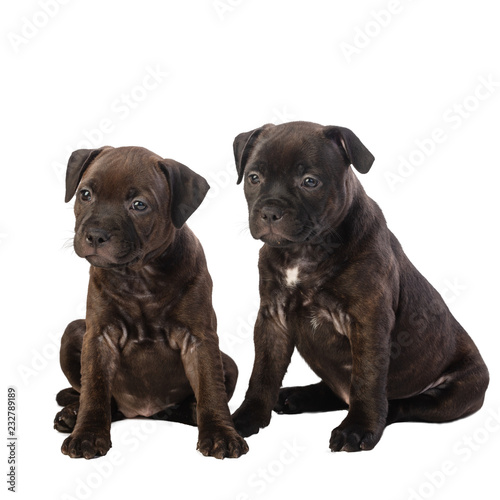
(223, 68)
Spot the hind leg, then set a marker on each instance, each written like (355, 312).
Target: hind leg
(65, 419)
(70, 353)
(458, 394)
(310, 398)
(185, 412)
(230, 374)
(69, 357)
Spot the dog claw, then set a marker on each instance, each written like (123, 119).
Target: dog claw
(352, 438)
(223, 445)
(86, 444)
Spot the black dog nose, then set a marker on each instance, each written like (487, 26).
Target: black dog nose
(271, 213)
(97, 237)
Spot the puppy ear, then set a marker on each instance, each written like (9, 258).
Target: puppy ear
(356, 152)
(242, 147)
(77, 164)
(187, 190)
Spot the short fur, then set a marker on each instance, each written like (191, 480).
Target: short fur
(148, 345)
(336, 284)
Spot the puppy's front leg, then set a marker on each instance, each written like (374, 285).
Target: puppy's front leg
(202, 362)
(91, 434)
(273, 351)
(365, 422)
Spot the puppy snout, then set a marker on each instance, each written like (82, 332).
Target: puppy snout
(271, 214)
(96, 237)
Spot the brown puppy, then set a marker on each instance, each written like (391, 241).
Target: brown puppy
(148, 346)
(336, 284)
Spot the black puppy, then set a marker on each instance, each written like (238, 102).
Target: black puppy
(336, 284)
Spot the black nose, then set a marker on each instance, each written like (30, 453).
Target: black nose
(97, 237)
(271, 214)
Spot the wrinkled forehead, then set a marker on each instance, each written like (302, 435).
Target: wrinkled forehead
(294, 147)
(124, 169)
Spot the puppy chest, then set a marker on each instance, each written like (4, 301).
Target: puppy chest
(334, 317)
(322, 339)
(311, 311)
(310, 303)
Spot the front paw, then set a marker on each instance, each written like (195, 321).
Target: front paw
(222, 443)
(354, 437)
(249, 421)
(87, 444)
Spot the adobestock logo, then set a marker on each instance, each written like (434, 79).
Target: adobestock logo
(365, 33)
(121, 108)
(32, 25)
(259, 481)
(40, 359)
(129, 441)
(223, 7)
(463, 450)
(453, 118)
(282, 115)
(244, 329)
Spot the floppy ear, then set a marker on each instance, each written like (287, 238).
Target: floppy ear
(77, 164)
(242, 146)
(187, 190)
(356, 152)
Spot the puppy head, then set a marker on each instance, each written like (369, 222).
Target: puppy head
(297, 179)
(129, 203)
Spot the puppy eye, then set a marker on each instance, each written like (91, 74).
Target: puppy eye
(138, 205)
(254, 178)
(85, 195)
(310, 182)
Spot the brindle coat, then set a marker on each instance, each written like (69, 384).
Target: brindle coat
(148, 345)
(336, 284)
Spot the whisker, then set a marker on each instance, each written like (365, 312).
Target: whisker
(68, 244)
(242, 227)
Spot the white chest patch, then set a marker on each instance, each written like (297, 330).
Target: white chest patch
(292, 276)
(341, 320)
